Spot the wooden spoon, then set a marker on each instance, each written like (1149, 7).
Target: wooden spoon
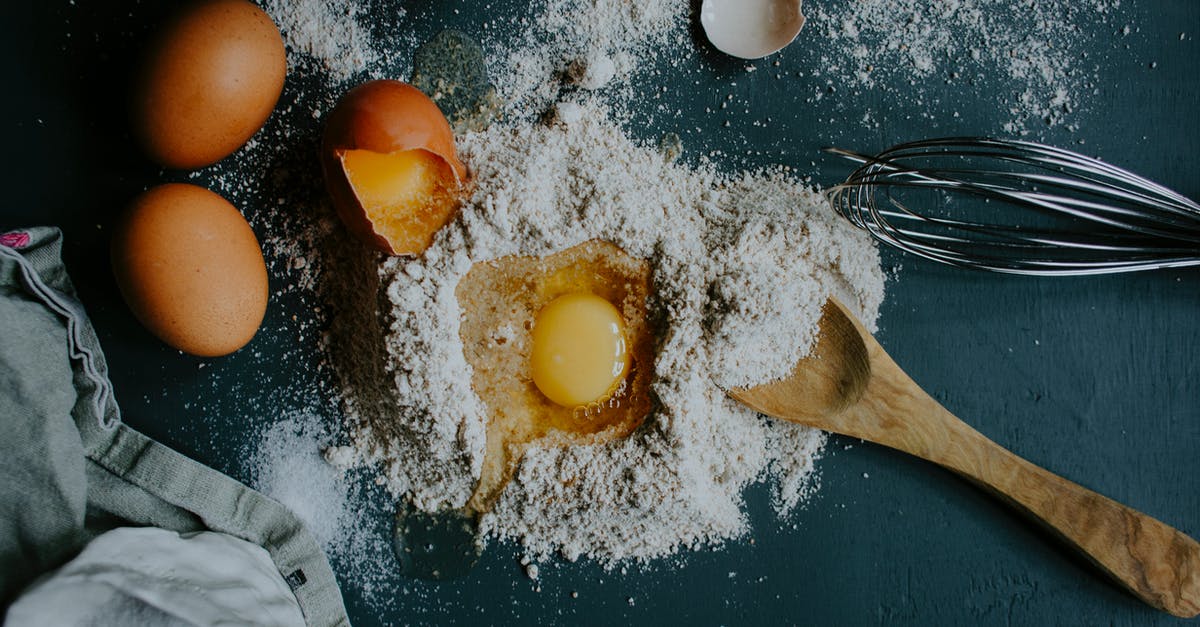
(849, 385)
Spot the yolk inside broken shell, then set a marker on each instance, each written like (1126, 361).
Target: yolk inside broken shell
(500, 301)
(406, 195)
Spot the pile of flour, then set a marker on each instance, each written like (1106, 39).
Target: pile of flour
(742, 265)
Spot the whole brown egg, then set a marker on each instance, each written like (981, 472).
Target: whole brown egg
(191, 270)
(209, 82)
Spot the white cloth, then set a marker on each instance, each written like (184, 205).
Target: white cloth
(151, 576)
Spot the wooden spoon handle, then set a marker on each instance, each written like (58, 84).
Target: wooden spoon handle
(1156, 562)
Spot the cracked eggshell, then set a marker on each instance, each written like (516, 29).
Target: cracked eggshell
(751, 29)
(382, 116)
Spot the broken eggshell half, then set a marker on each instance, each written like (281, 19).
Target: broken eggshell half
(391, 167)
(751, 29)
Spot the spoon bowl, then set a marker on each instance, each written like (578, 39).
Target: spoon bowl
(832, 378)
(849, 385)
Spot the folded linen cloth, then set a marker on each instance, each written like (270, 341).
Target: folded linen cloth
(70, 470)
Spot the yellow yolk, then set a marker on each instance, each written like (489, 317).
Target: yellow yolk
(578, 354)
(404, 194)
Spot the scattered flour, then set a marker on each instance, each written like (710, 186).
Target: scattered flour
(742, 262)
(741, 267)
(285, 463)
(592, 44)
(1032, 53)
(328, 34)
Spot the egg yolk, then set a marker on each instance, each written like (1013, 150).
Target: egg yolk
(578, 354)
(406, 195)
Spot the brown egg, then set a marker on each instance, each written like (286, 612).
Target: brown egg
(210, 80)
(191, 270)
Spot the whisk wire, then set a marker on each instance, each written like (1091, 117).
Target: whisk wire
(1116, 221)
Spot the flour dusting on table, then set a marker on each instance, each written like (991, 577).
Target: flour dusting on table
(586, 44)
(1030, 54)
(327, 34)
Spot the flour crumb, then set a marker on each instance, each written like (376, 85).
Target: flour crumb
(592, 73)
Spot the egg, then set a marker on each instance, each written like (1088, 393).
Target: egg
(561, 350)
(391, 167)
(210, 80)
(191, 269)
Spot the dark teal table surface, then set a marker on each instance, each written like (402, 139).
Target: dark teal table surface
(1093, 378)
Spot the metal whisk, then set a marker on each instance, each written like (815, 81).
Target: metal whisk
(1017, 207)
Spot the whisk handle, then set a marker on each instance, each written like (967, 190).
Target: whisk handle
(1156, 562)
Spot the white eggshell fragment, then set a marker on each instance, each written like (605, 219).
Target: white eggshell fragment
(751, 29)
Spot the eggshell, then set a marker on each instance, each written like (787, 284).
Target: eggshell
(210, 80)
(383, 116)
(751, 29)
(191, 269)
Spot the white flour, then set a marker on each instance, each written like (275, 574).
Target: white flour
(586, 44)
(741, 267)
(285, 462)
(1030, 53)
(327, 34)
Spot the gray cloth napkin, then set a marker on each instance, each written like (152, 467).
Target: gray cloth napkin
(70, 470)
